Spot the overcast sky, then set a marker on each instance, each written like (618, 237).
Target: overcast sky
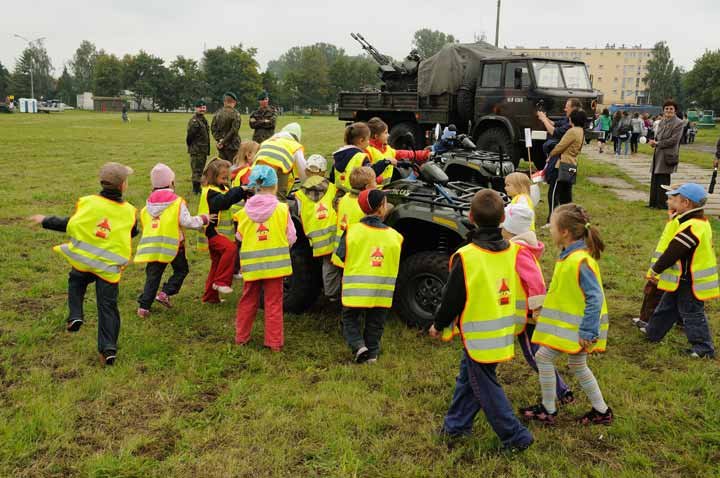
(168, 28)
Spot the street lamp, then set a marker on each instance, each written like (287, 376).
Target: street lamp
(497, 25)
(30, 44)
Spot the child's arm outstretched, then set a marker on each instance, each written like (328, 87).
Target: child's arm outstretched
(419, 156)
(53, 223)
(193, 222)
(590, 324)
(221, 202)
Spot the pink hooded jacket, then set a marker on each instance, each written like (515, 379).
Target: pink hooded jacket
(161, 199)
(528, 269)
(260, 207)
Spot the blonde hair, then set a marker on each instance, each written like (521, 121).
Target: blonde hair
(246, 153)
(575, 219)
(361, 177)
(520, 181)
(213, 170)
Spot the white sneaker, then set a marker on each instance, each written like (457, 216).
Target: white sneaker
(223, 289)
(362, 355)
(237, 276)
(635, 320)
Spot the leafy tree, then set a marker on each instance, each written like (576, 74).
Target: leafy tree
(107, 75)
(188, 81)
(34, 57)
(233, 70)
(310, 83)
(703, 81)
(661, 75)
(83, 65)
(144, 75)
(66, 91)
(428, 42)
(4, 82)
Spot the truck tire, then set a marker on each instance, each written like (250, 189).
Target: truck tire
(304, 286)
(419, 287)
(400, 136)
(466, 94)
(498, 140)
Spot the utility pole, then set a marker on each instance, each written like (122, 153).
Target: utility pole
(32, 66)
(497, 25)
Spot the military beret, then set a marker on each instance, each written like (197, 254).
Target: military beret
(199, 103)
(263, 96)
(230, 94)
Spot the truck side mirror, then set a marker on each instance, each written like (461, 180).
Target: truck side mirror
(518, 79)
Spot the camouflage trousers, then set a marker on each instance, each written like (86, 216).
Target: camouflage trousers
(228, 154)
(197, 164)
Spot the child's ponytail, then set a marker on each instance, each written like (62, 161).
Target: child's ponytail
(576, 220)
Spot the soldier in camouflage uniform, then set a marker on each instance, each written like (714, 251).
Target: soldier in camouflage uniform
(198, 143)
(263, 119)
(225, 127)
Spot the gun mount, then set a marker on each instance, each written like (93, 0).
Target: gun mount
(396, 77)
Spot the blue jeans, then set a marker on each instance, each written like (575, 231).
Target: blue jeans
(476, 388)
(682, 304)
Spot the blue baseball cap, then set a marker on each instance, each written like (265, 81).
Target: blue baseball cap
(691, 191)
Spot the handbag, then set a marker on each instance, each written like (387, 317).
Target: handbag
(567, 173)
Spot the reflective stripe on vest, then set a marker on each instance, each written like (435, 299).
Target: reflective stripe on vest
(342, 179)
(160, 239)
(377, 155)
(564, 308)
(100, 240)
(265, 250)
(372, 262)
(278, 153)
(224, 222)
(348, 213)
(319, 221)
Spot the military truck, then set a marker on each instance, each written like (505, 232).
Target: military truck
(487, 92)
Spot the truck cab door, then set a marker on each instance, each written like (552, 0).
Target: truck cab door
(489, 95)
(517, 104)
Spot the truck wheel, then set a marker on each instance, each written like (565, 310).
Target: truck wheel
(498, 140)
(406, 135)
(303, 287)
(419, 287)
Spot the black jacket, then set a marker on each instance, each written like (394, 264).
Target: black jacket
(59, 223)
(220, 202)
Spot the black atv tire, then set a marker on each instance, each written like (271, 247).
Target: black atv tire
(400, 130)
(497, 140)
(419, 287)
(304, 286)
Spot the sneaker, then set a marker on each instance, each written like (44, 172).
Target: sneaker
(164, 299)
(362, 355)
(593, 417)
(568, 398)
(223, 289)
(538, 412)
(237, 276)
(635, 320)
(643, 330)
(107, 358)
(74, 325)
(143, 313)
(692, 354)
(371, 360)
(514, 449)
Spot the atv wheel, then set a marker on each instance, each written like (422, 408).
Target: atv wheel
(406, 135)
(497, 140)
(420, 282)
(303, 287)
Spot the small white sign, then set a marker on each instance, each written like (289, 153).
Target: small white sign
(528, 138)
(539, 135)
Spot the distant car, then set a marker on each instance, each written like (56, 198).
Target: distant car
(53, 106)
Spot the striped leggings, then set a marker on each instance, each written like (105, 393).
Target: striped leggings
(577, 364)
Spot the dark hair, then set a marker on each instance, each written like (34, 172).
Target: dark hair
(355, 131)
(578, 118)
(617, 115)
(672, 103)
(574, 103)
(606, 112)
(487, 208)
(574, 218)
(377, 126)
(636, 115)
(625, 113)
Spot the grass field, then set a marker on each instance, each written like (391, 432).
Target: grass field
(184, 401)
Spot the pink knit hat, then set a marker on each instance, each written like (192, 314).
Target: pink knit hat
(161, 176)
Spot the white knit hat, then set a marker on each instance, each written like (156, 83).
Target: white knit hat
(518, 219)
(317, 163)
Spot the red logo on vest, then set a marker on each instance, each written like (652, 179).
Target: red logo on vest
(155, 223)
(321, 212)
(377, 257)
(344, 223)
(103, 229)
(262, 233)
(504, 293)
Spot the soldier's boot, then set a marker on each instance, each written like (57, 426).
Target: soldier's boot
(196, 187)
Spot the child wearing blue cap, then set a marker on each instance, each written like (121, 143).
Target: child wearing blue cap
(266, 232)
(687, 273)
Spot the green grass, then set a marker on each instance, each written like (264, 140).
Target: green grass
(184, 401)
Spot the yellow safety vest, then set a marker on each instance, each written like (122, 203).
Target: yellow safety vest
(377, 155)
(237, 182)
(265, 249)
(348, 213)
(342, 180)
(278, 153)
(319, 221)
(224, 224)
(564, 308)
(100, 237)
(671, 228)
(703, 265)
(160, 239)
(529, 203)
(372, 261)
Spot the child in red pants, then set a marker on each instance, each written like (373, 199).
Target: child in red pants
(266, 232)
(216, 198)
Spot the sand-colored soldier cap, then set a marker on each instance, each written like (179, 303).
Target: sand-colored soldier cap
(114, 174)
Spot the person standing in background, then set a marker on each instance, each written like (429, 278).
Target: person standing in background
(637, 128)
(666, 155)
(198, 143)
(605, 126)
(225, 127)
(263, 119)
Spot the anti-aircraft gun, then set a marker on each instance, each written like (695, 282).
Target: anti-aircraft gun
(395, 77)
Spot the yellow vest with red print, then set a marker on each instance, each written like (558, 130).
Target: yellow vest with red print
(100, 237)
(319, 220)
(160, 239)
(377, 155)
(348, 213)
(564, 308)
(224, 224)
(237, 182)
(703, 264)
(529, 202)
(342, 180)
(372, 261)
(265, 249)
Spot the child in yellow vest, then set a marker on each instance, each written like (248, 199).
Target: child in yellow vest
(240, 174)
(517, 187)
(348, 209)
(574, 317)
(266, 232)
(687, 273)
(164, 218)
(384, 157)
(100, 247)
(319, 219)
(481, 290)
(351, 156)
(370, 251)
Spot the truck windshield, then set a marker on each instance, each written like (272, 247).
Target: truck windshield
(547, 75)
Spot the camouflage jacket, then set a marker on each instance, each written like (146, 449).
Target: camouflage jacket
(198, 135)
(225, 127)
(263, 121)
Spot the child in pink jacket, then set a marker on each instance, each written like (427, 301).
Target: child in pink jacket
(516, 228)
